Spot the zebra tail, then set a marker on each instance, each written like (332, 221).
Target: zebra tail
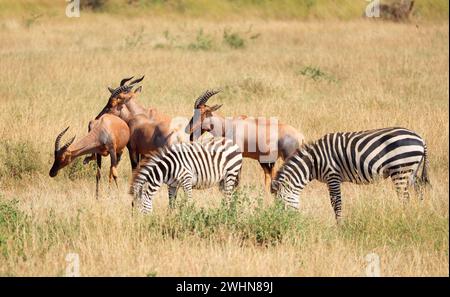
(424, 179)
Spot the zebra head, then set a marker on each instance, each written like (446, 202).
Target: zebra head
(293, 176)
(285, 192)
(142, 197)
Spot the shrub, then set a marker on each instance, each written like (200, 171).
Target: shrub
(77, 170)
(316, 74)
(18, 159)
(202, 42)
(261, 225)
(14, 227)
(233, 39)
(94, 5)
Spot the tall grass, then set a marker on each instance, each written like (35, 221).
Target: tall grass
(55, 73)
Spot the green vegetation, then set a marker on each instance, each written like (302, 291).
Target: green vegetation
(202, 42)
(18, 158)
(280, 9)
(316, 73)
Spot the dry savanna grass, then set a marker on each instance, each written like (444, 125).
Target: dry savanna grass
(319, 76)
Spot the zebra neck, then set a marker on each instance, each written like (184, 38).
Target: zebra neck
(310, 164)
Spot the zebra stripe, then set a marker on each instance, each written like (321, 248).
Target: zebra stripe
(188, 165)
(357, 157)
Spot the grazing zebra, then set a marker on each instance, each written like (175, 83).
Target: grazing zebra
(356, 157)
(189, 165)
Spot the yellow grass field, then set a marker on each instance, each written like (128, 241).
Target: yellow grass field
(319, 76)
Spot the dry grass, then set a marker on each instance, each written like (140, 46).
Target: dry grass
(55, 72)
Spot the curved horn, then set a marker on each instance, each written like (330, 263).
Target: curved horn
(205, 97)
(136, 81)
(123, 81)
(68, 144)
(58, 139)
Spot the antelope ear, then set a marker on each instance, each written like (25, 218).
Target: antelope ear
(138, 90)
(111, 90)
(216, 107)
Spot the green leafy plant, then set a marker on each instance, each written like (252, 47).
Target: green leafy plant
(202, 42)
(233, 39)
(316, 74)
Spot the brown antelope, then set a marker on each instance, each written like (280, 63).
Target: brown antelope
(107, 136)
(262, 139)
(149, 129)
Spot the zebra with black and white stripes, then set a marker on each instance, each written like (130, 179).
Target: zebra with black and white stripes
(196, 165)
(357, 157)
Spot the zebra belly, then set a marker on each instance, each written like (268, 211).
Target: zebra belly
(199, 182)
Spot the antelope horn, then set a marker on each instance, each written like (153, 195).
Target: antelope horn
(136, 81)
(205, 97)
(67, 144)
(58, 139)
(123, 81)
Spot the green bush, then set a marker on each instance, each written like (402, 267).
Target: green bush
(18, 159)
(316, 74)
(77, 170)
(14, 229)
(233, 39)
(95, 5)
(261, 225)
(202, 42)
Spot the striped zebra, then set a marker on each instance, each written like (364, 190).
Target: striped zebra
(357, 157)
(188, 165)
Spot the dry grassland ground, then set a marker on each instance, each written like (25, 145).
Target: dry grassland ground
(319, 76)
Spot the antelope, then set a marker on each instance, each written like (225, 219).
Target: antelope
(149, 129)
(259, 139)
(107, 136)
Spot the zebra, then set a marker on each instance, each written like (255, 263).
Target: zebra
(197, 165)
(357, 157)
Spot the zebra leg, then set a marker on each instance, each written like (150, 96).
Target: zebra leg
(401, 182)
(229, 184)
(187, 187)
(334, 188)
(172, 196)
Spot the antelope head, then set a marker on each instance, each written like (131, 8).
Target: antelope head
(119, 95)
(62, 156)
(200, 121)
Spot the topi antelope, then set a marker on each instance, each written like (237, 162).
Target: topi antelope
(149, 129)
(261, 139)
(107, 136)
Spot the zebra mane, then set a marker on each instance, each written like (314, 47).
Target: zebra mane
(302, 151)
